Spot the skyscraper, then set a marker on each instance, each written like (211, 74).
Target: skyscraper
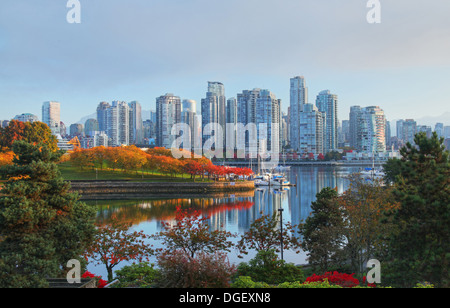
(373, 126)
(102, 116)
(327, 103)
(312, 130)
(214, 107)
(168, 113)
(189, 117)
(51, 115)
(117, 122)
(136, 129)
(268, 112)
(355, 127)
(298, 99)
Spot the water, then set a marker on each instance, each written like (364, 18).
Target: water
(233, 213)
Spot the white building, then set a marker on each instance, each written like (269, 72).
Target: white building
(51, 115)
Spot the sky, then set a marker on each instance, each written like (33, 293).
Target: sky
(141, 49)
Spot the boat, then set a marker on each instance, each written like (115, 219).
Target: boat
(372, 173)
(271, 180)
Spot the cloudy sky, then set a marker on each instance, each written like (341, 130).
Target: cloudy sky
(141, 49)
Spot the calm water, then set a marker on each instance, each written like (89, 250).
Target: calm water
(234, 213)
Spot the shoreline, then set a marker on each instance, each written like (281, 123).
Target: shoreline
(101, 190)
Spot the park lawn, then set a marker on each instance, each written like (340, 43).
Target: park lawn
(71, 173)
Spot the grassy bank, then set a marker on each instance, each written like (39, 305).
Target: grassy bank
(71, 173)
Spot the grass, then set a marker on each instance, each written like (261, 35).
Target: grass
(71, 173)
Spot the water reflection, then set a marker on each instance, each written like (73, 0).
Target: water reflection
(234, 213)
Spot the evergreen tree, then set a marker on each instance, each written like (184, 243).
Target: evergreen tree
(420, 250)
(42, 224)
(323, 231)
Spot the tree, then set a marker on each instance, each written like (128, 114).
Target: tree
(323, 231)
(264, 235)
(43, 225)
(365, 205)
(420, 248)
(33, 133)
(114, 244)
(191, 234)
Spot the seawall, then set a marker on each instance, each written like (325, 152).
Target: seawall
(124, 189)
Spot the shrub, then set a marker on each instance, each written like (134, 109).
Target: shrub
(335, 278)
(178, 270)
(266, 267)
(142, 275)
(246, 282)
(100, 282)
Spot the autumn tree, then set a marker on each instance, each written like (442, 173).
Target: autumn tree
(265, 235)
(42, 224)
(365, 205)
(115, 243)
(33, 133)
(191, 234)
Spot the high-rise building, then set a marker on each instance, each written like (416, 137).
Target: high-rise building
(136, 129)
(168, 113)
(268, 112)
(189, 117)
(355, 127)
(368, 129)
(102, 116)
(117, 122)
(312, 130)
(51, 115)
(213, 108)
(298, 99)
(408, 131)
(328, 103)
(425, 129)
(439, 129)
(373, 130)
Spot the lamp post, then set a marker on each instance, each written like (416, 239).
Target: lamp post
(281, 224)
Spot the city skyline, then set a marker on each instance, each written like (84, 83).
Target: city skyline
(400, 64)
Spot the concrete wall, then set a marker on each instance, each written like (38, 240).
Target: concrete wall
(119, 189)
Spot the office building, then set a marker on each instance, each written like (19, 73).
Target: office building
(327, 103)
(298, 99)
(51, 115)
(168, 113)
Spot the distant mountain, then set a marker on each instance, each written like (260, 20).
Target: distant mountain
(431, 121)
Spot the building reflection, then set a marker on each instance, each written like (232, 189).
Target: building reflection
(233, 213)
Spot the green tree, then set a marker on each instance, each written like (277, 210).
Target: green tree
(323, 231)
(420, 250)
(42, 224)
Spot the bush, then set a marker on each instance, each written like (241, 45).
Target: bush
(309, 285)
(266, 267)
(142, 275)
(245, 282)
(335, 278)
(203, 271)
